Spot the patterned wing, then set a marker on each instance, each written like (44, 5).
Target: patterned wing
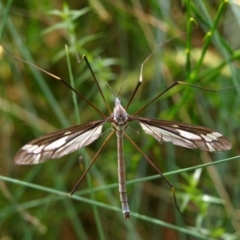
(60, 143)
(184, 135)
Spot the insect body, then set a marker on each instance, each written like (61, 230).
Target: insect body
(60, 143)
(63, 142)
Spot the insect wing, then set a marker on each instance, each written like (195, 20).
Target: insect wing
(185, 135)
(60, 143)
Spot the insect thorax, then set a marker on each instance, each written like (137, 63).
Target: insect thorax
(120, 116)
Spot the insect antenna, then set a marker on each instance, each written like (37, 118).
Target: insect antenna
(116, 95)
(111, 90)
(121, 88)
(63, 81)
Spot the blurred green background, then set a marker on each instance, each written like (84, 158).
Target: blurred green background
(195, 41)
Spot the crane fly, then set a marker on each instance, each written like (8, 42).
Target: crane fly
(63, 142)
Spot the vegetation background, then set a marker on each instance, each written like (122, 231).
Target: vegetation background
(199, 42)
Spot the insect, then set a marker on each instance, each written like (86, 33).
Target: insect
(60, 143)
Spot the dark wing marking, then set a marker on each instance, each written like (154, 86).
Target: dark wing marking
(184, 135)
(60, 143)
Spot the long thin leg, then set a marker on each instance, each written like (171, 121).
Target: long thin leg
(63, 81)
(175, 84)
(160, 173)
(92, 162)
(100, 90)
(142, 65)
